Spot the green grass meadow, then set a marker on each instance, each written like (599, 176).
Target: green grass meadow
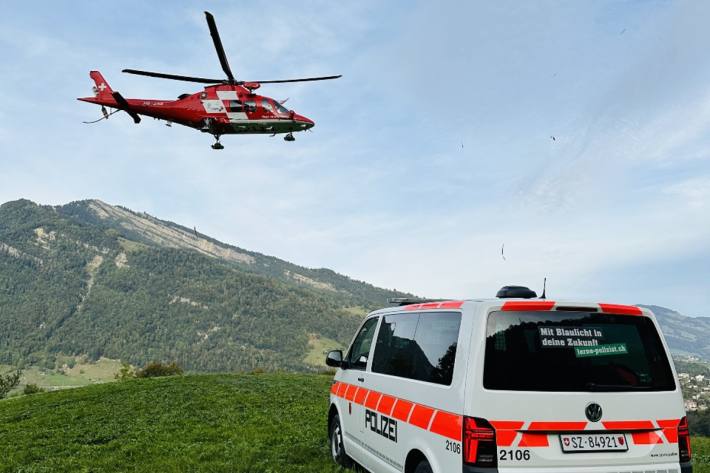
(202, 423)
(701, 454)
(257, 423)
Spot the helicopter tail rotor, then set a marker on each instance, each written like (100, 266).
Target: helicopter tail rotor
(124, 105)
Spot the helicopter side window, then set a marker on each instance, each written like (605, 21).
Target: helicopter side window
(235, 106)
(250, 106)
(281, 109)
(267, 105)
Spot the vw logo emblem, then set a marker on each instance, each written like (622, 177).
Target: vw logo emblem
(593, 412)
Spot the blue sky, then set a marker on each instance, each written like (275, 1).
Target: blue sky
(431, 152)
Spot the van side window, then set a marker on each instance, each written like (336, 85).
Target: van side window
(418, 346)
(361, 346)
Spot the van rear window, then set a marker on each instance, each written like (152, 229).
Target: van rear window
(574, 351)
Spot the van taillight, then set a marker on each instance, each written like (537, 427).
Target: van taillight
(479, 442)
(684, 440)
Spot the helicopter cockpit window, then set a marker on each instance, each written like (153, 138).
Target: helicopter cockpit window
(235, 106)
(267, 105)
(250, 106)
(281, 109)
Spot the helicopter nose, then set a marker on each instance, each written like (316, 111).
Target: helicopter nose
(304, 122)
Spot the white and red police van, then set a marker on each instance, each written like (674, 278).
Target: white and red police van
(508, 385)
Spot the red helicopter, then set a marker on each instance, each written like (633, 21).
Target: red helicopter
(224, 107)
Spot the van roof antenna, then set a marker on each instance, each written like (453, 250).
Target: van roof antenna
(544, 288)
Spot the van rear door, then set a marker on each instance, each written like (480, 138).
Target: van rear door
(578, 388)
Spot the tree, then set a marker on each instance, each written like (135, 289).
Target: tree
(8, 382)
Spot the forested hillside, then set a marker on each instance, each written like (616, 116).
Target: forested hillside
(100, 280)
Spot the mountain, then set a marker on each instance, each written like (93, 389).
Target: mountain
(99, 280)
(89, 278)
(685, 335)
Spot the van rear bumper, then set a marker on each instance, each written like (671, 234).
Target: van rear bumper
(648, 468)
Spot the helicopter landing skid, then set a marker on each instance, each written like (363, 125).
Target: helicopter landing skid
(217, 145)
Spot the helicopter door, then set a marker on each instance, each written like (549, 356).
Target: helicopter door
(236, 111)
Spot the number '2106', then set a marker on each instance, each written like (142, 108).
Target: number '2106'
(515, 455)
(453, 447)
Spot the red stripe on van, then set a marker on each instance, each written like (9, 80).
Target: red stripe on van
(528, 305)
(372, 399)
(506, 430)
(334, 388)
(361, 395)
(629, 425)
(386, 404)
(430, 305)
(341, 389)
(421, 415)
(435, 305)
(620, 309)
(557, 426)
(451, 305)
(402, 410)
(448, 425)
(670, 429)
(646, 438)
(350, 392)
(534, 439)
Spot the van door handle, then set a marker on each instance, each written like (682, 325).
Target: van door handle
(362, 380)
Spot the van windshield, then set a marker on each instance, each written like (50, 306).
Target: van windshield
(574, 351)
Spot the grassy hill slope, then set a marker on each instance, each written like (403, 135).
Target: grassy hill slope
(204, 423)
(256, 423)
(89, 278)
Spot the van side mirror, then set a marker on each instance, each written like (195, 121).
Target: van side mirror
(334, 359)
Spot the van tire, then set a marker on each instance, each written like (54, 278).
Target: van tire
(337, 449)
(423, 467)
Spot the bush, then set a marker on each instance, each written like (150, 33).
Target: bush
(9, 382)
(126, 372)
(155, 369)
(32, 389)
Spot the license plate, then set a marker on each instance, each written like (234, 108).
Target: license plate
(573, 443)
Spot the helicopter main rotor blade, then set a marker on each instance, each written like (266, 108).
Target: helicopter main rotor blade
(123, 103)
(161, 75)
(218, 46)
(307, 79)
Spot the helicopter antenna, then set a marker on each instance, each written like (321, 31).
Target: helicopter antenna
(544, 289)
(105, 116)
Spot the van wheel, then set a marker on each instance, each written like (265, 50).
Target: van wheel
(423, 467)
(337, 450)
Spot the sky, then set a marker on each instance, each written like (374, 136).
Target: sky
(574, 134)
